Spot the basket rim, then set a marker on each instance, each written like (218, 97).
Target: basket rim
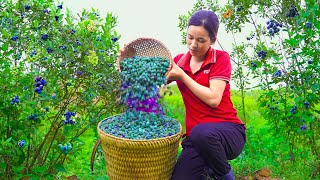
(142, 39)
(138, 140)
(148, 38)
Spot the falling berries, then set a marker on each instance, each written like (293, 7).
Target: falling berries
(144, 117)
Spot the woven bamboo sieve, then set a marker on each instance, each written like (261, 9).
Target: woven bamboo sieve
(128, 159)
(145, 47)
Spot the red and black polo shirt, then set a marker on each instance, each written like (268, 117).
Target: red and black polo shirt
(216, 65)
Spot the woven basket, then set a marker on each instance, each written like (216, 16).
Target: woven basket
(128, 159)
(145, 47)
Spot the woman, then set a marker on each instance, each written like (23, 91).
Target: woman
(214, 133)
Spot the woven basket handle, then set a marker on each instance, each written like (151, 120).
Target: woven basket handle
(93, 154)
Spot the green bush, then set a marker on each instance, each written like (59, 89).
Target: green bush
(57, 79)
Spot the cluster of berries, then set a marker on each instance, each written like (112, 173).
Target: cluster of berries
(63, 47)
(309, 25)
(68, 118)
(262, 54)
(44, 36)
(306, 104)
(251, 37)
(14, 100)
(33, 52)
(273, 27)
(303, 127)
(33, 117)
(254, 65)
(27, 7)
(78, 42)
(240, 8)
(65, 148)
(293, 110)
(40, 82)
(49, 50)
(293, 12)
(15, 38)
(139, 88)
(46, 11)
(278, 73)
(140, 125)
(21, 143)
(114, 39)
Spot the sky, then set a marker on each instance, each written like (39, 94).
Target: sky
(148, 18)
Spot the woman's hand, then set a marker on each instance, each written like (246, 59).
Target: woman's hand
(176, 73)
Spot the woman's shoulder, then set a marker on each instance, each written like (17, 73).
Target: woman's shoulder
(221, 53)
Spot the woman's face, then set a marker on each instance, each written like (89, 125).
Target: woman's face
(198, 40)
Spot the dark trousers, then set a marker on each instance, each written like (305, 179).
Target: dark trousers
(207, 150)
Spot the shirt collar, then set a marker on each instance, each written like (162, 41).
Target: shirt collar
(184, 61)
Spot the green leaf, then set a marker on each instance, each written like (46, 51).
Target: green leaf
(4, 47)
(40, 169)
(59, 168)
(8, 140)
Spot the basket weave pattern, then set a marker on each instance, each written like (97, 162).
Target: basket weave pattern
(128, 159)
(145, 47)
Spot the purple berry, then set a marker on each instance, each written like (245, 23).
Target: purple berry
(303, 127)
(44, 36)
(27, 7)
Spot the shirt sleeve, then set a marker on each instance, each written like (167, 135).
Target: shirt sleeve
(222, 68)
(175, 59)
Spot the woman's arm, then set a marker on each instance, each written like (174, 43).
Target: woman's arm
(210, 95)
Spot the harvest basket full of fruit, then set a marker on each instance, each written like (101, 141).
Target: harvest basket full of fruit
(142, 142)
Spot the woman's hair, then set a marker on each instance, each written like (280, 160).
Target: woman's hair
(208, 19)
